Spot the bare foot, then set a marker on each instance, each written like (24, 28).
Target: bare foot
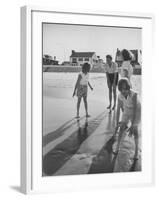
(109, 107)
(77, 117)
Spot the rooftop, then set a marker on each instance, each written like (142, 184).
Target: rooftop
(82, 54)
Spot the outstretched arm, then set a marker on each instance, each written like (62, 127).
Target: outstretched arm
(134, 100)
(131, 129)
(119, 106)
(90, 86)
(76, 85)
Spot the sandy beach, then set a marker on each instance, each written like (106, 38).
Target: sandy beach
(81, 146)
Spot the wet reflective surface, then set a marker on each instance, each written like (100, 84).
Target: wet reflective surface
(83, 146)
(62, 152)
(89, 147)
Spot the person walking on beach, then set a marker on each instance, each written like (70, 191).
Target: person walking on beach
(111, 70)
(81, 88)
(126, 67)
(129, 104)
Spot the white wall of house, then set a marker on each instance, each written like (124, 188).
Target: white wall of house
(82, 60)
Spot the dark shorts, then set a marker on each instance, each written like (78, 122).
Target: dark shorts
(111, 78)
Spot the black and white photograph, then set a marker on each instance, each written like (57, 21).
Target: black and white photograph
(91, 99)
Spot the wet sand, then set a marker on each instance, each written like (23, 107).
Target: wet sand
(83, 146)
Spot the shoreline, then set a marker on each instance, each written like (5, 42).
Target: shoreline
(77, 69)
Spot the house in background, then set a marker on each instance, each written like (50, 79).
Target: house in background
(100, 62)
(49, 60)
(136, 57)
(66, 63)
(136, 60)
(79, 58)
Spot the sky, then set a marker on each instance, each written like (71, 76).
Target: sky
(59, 40)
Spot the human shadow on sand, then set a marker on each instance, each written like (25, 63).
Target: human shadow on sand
(59, 132)
(58, 156)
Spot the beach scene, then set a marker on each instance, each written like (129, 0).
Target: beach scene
(85, 145)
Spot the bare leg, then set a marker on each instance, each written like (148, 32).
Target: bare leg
(121, 136)
(78, 105)
(114, 94)
(86, 106)
(110, 97)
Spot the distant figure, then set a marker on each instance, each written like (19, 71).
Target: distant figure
(126, 67)
(81, 88)
(129, 104)
(111, 70)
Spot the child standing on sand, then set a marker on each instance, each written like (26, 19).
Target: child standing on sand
(129, 104)
(81, 88)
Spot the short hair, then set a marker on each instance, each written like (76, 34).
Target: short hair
(109, 57)
(86, 67)
(123, 83)
(126, 55)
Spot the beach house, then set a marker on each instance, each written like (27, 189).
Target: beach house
(78, 58)
(136, 60)
(49, 60)
(136, 57)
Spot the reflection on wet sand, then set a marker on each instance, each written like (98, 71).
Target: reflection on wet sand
(58, 156)
(77, 151)
(102, 161)
(82, 130)
(58, 132)
(83, 146)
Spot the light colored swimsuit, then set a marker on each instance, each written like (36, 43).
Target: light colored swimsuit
(126, 65)
(82, 89)
(128, 107)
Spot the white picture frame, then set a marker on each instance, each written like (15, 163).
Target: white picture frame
(31, 44)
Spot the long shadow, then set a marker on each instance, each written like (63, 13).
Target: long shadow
(58, 156)
(105, 160)
(102, 163)
(82, 131)
(58, 132)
